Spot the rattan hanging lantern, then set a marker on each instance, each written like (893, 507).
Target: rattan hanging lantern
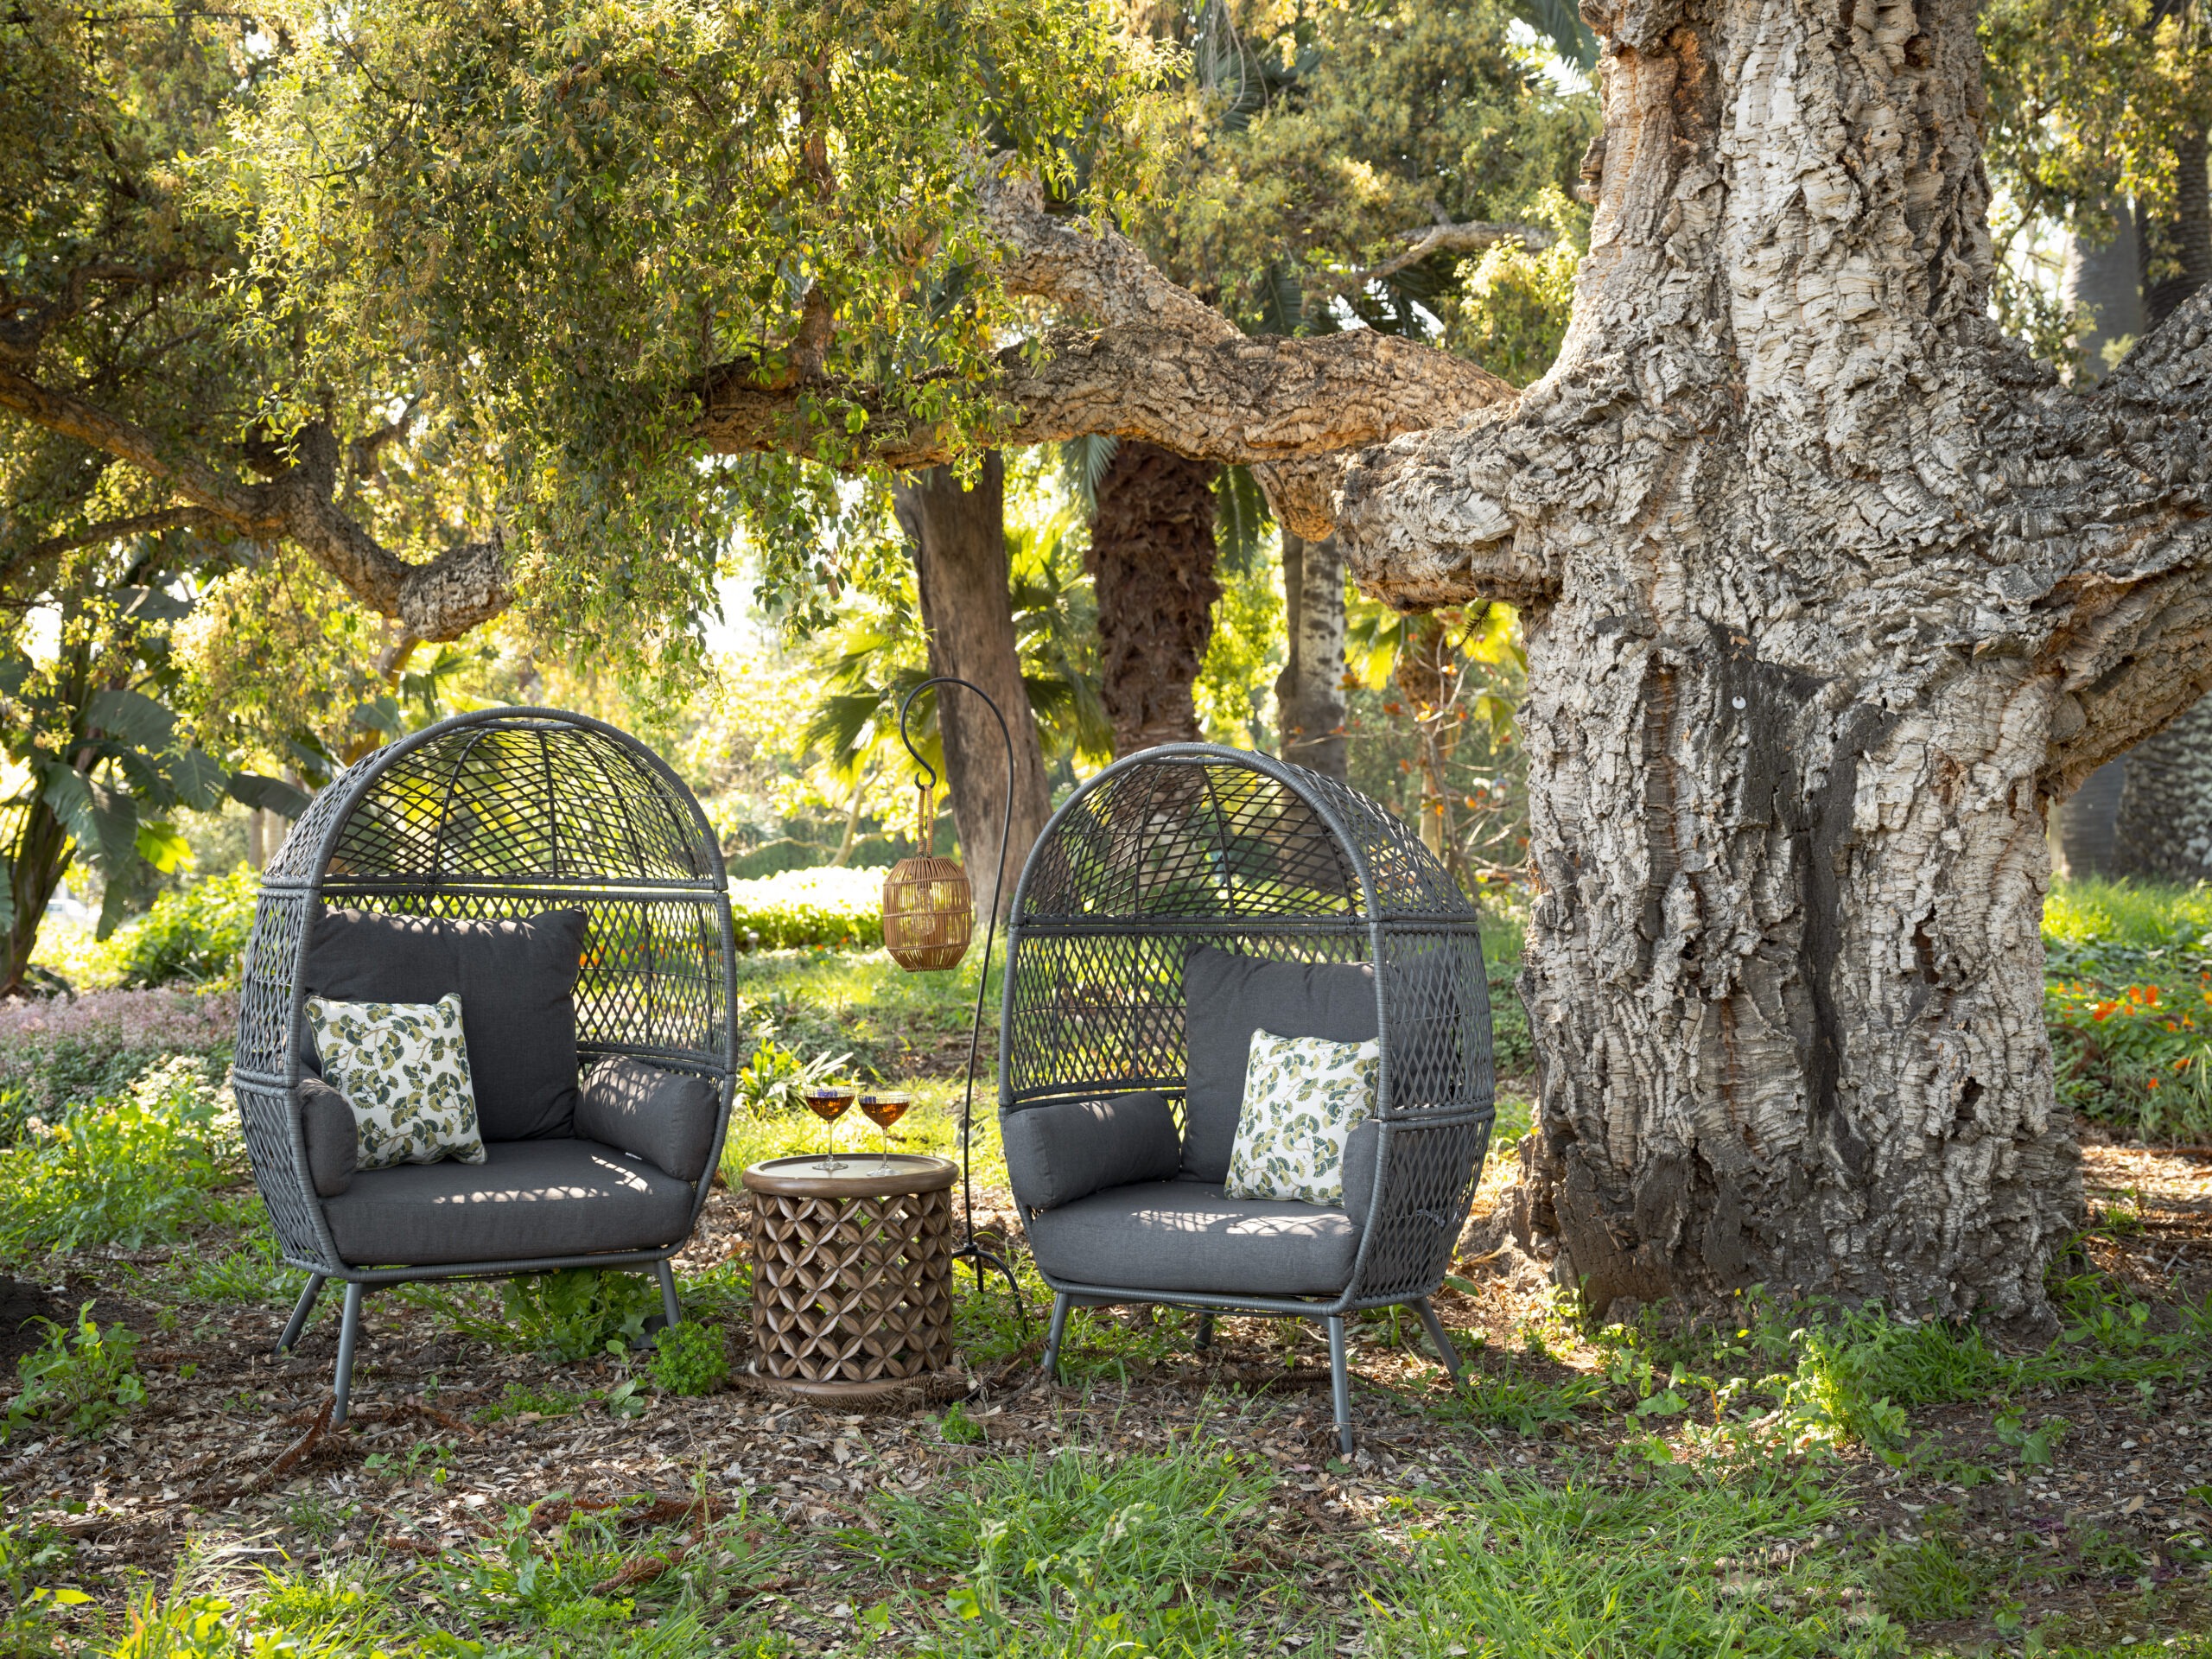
(929, 909)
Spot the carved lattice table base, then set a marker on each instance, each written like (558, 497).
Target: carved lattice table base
(852, 1273)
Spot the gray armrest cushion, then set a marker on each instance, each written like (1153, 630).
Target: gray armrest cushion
(1058, 1153)
(665, 1117)
(1362, 1147)
(334, 1139)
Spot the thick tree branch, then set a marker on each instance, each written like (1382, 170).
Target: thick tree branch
(1162, 367)
(441, 600)
(2136, 650)
(138, 524)
(1262, 400)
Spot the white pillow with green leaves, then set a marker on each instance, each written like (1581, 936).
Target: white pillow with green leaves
(403, 1068)
(1302, 1094)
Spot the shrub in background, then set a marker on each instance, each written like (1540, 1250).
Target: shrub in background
(2138, 1059)
(194, 935)
(2128, 996)
(838, 909)
(64, 1051)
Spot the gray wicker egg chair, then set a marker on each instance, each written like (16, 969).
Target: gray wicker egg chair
(1182, 899)
(550, 869)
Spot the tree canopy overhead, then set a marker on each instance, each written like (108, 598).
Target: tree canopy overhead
(523, 245)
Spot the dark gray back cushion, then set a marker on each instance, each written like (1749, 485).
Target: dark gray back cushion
(334, 1138)
(517, 982)
(665, 1117)
(1226, 998)
(1058, 1153)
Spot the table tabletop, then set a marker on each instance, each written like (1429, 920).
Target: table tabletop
(862, 1176)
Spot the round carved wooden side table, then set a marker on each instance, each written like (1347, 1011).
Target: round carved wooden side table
(852, 1273)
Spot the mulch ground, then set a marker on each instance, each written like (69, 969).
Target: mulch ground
(231, 1450)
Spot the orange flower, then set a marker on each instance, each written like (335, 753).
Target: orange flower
(2150, 1082)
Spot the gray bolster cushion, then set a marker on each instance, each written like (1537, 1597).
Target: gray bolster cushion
(1058, 1153)
(667, 1118)
(1362, 1147)
(334, 1139)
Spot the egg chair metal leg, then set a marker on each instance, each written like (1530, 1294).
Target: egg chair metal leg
(1205, 1332)
(1437, 1334)
(667, 1274)
(349, 1332)
(301, 1311)
(1339, 1382)
(1060, 1305)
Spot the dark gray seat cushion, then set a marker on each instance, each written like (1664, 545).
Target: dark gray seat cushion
(667, 1117)
(517, 982)
(1226, 998)
(528, 1198)
(334, 1139)
(1058, 1152)
(1185, 1235)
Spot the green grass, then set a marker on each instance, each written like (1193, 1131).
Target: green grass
(585, 1587)
(1690, 1567)
(861, 1004)
(1079, 1554)
(2093, 912)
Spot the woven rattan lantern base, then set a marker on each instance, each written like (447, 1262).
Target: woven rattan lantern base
(852, 1274)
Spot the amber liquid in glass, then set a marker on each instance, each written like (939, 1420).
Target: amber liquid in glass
(883, 1111)
(829, 1105)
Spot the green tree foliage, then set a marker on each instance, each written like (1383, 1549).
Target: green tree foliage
(878, 654)
(567, 223)
(2086, 100)
(1325, 134)
(99, 762)
(2095, 107)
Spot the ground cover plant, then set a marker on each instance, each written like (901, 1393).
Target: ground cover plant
(2128, 999)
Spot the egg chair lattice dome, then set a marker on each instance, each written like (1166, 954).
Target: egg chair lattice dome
(488, 817)
(1145, 918)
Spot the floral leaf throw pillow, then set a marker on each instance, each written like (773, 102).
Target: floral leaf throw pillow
(403, 1067)
(1302, 1094)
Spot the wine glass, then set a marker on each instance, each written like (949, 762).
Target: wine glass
(830, 1102)
(883, 1109)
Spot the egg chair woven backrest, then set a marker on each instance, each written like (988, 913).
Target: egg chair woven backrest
(503, 813)
(1193, 844)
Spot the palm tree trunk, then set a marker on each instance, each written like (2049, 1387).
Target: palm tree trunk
(1310, 691)
(1151, 557)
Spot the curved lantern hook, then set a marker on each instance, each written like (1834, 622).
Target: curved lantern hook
(906, 737)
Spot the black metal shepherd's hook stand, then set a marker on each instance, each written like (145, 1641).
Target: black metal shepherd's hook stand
(968, 1247)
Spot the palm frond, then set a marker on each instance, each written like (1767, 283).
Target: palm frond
(1241, 518)
(1560, 23)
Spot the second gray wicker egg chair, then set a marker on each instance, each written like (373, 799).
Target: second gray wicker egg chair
(1178, 901)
